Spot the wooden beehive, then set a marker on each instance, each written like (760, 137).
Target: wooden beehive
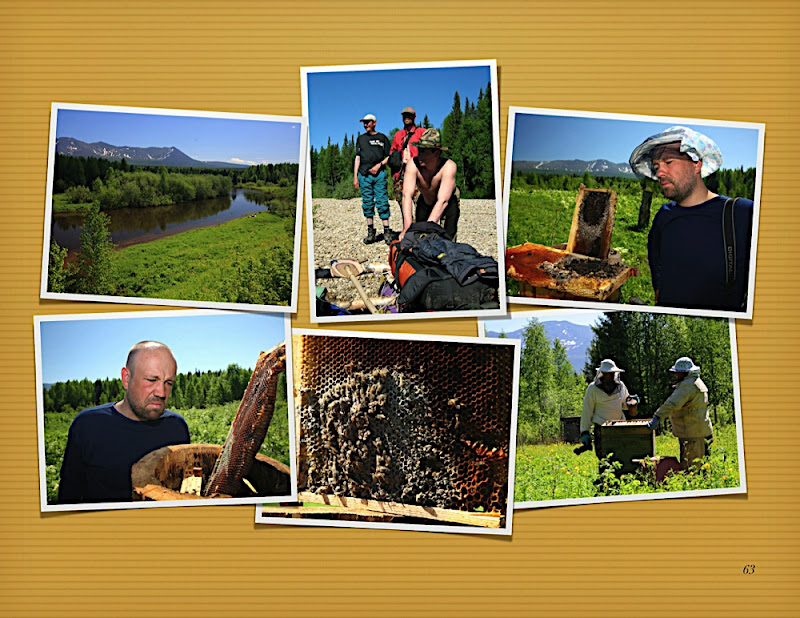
(627, 440)
(571, 429)
(592, 222)
(159, 474)
(536, 268)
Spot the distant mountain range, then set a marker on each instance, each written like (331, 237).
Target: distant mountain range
(576, 338)
(135, 155)
(597, 167)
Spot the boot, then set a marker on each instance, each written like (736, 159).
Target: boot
(389, 235)
(370, 235)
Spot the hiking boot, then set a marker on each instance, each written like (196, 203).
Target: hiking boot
(371, 237)
(389, 235)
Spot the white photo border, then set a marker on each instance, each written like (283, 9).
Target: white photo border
(55, 107)
(103, 506)
(499, 210)
(261, 518)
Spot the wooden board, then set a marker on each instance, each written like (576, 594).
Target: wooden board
(486, 520)
(524, 262)
(326, 512)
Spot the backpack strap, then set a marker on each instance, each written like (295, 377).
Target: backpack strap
(729, 235)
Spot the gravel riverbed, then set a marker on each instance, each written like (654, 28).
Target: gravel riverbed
(339, 229)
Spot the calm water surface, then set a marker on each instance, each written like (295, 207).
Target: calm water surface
(131, 226)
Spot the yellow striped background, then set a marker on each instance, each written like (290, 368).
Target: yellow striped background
(731, 61)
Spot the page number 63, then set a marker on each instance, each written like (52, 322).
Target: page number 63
(749, 569)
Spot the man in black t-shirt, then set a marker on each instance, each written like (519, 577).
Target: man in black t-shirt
(372, 153)
(105, 441)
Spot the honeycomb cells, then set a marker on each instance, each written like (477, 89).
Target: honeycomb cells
(416, 422)
(249, 426)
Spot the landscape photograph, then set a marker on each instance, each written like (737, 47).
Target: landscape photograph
(364, 149)
(172, 207)
(577, 445)
(592, 219)
(221, 403)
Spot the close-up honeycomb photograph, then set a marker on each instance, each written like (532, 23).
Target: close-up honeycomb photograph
(407, 433)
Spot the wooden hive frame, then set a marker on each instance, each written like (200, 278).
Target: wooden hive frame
(590, 233)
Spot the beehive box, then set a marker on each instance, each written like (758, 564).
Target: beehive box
(158, 475)
(559, 273)
(571, 429)
(627, 440)
(397, 422)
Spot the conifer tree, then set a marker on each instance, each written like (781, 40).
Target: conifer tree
(96, 256)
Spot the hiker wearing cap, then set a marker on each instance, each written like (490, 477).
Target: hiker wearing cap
(435, 178)
(605, 399)
(687, 406)
(372, 153)
(401, 144)
(699, 244)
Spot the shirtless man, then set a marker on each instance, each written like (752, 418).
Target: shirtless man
(435, 177)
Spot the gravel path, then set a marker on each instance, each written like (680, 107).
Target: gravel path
(339, 227)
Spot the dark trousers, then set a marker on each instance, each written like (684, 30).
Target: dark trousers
(449, 219)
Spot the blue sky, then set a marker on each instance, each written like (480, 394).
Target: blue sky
(97, 349)
(510, 324)
(205, 139)
(337, 100)
(548, 138)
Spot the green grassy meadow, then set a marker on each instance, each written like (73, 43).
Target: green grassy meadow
(62, 204)
(554, 472)
(247, 260)
(206, 426)
(544, 216)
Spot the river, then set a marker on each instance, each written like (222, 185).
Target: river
(132, 226)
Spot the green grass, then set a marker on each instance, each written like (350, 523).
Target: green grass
(60, 204)
(544, 216)
(206, 426)
(246, 260)
(554, 472)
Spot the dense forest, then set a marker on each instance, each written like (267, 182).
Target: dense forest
(74, 171)
(190, 390)
(115, 184)
(731, 182)
(645, 345)
(466, 133)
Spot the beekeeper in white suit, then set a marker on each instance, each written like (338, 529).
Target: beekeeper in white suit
(687, 406)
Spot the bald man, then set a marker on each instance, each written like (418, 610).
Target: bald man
(105, 441)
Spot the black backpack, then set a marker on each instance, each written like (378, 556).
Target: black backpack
(433, 273)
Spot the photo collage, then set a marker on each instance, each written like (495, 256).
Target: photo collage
(604, 260)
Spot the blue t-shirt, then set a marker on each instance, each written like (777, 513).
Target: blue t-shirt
(103, 445)
(686, 251)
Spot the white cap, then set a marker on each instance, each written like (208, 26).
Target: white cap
(369, 117)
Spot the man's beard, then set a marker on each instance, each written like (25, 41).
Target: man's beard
(147, 414)
(678, 192)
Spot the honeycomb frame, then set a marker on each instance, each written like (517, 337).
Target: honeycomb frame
(408, 422)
